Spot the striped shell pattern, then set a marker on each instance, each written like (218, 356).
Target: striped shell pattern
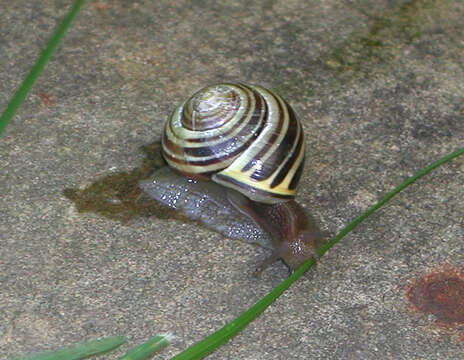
(241, 136)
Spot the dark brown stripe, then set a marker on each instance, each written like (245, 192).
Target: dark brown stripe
(289, 163)
(213, 150)
(169, 145)
(200, 163)
(214, 120)
(280, 152)
(229, 143)
(253, 190)
(296, 176)
(205, 151)
(254, 120)
(266, 147)
(206, 123)
(228, 147)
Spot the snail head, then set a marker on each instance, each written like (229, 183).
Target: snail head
(302, 247)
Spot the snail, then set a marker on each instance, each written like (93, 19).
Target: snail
(235, 154)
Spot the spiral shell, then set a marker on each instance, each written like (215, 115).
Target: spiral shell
(242, 136)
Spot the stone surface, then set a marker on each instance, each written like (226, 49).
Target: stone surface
(379, 87)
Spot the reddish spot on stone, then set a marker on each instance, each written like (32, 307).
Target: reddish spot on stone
(439, 293)
(47, 99)
(100, 6)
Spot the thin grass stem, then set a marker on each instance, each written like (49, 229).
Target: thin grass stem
(35, 71)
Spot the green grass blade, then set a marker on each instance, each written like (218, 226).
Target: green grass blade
(80, 351)
(213, 341)
(390, 195)
(35, 71)
(148, 348)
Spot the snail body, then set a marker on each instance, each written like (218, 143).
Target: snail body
(240, 148)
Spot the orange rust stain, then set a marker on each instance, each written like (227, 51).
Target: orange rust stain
(47, 99)
(439, 293)
(100, 6)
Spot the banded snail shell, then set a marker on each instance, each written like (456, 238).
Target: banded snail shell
(242, 136)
